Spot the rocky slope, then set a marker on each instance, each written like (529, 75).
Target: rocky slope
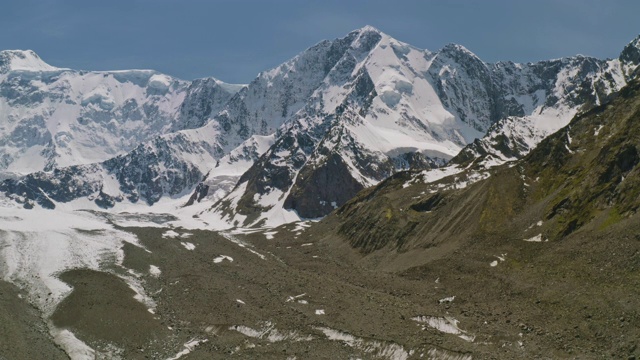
(577, 174)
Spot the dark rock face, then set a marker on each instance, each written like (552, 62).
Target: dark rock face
(319, 190)
(199, 193)
(106, 201)
(467, 89)
(631, 53)
(150, 172)
(416, 161)
(204, 98)
(45, 188)
(315, 154)
(428, 204)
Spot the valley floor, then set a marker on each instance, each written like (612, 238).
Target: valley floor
(289, 293)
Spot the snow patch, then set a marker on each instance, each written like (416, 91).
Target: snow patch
(221, 258)
(269, 234)
(501, 258)
(537, 238)
(292, 298)
(447, 325)
(188, 245)
(154, 271)
(170, 234)
(377, 349)
(596, 131)
(160, 82)
(188, 347)
(74, 347)
(267, 331)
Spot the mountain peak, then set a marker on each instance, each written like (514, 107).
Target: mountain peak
(368, 28)
(456, 48)
(631, 53)
(23, 60)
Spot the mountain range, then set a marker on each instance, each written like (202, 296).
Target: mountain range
(297, 142)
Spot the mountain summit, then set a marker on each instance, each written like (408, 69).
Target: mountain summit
(22, 60)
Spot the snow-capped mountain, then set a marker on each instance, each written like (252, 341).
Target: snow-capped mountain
(560, 88)
(304, 137)
(386, 106)
(52, 117)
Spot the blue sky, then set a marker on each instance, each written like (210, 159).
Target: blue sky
(233, 40)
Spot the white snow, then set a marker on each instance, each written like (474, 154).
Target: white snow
(154, 271)
(170, 234)
(267, 331)
(377, 349)
(320, 312)
(537, 238)
(26, 60)
(160, 82)
(292, 298)
(269, 234)
(447, 299)
(74, 347)
(596, 132)
(89, 116)
(433, 175)
(500, 258)
(188, 245)
(221, 258)
(188, 347)
(301, 226)
(447, 325)
(37, 244)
